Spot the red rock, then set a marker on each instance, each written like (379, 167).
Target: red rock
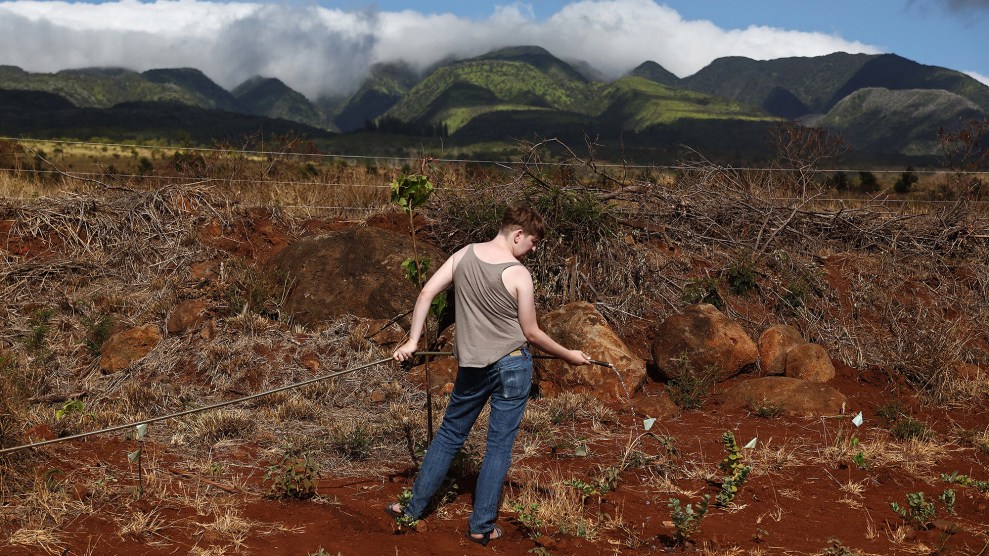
(124, 348)
(709, 339)
(773, 345)
(580, 326)
(792, 395)
(185, 315)
(809, 362)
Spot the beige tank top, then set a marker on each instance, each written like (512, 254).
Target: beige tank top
(487, 314)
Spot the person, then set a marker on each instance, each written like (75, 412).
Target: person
(495, 314)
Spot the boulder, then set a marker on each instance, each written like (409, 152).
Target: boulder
(773, 345)
(126, 347)
(185, 315)
(354, 271)
(580, 326)
(657, 406)
(809, 362)
(382, 332)
(792, 396)
(709, 339)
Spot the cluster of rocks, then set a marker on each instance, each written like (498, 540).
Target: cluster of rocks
(357, 271)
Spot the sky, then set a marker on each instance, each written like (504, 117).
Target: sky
(325, 47)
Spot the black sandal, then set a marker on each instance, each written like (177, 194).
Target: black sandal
(391, 511)
(486, 537)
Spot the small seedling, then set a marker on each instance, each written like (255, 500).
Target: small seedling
(405, 521)
(965, 480)
(859, 457)
(948, 499)
(687, 520)
(918, 511)
(68, 408)
(528, 516)
(735, 471)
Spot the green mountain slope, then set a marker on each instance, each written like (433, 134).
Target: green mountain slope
(96, 87)
(638, 103)
(656, 73)
(267, 96)
(192, 81)
(775, 85)
(383, 88)
(46, 115)
(901, 121)
(794, 87)
(524, 78)
(890, 71)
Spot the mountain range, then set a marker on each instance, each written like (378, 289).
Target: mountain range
(882, 104)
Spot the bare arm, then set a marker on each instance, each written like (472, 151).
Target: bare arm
(520, 279)
(439, 281)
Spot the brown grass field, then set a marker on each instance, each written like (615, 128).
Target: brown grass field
(896, 291)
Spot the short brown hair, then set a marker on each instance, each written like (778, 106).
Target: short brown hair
(525, 218)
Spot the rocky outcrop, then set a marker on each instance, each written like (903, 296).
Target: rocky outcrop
(792, 396)
(128, 346)
(708, 338)
(186, 315)
(354, 271)
(809, 362)
(773, 345)
(580, 326)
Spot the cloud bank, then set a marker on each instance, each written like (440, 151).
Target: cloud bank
(321, 51)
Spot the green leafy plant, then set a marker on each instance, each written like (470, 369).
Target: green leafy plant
(405, 521)
(68, 408)
(293, 476)
(528, 516)
(703, 290)
(908, 428)
(948, 499)
(97, 332)
(741, 278)
(965, 480)
(691, 385)
(859, 457)
(734, 469)
(40, 325)
(411, 192)
(918, 511)
(687, 519)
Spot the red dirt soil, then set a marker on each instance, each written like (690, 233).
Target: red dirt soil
(791, 504)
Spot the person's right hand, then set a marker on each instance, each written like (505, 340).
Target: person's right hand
(577, 357)
(405, 351)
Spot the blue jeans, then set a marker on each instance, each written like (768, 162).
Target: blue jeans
(506, 382)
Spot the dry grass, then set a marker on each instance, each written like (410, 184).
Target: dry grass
(911, 300)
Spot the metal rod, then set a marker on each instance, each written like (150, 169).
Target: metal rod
(194, 410)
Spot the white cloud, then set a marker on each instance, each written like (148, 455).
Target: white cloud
(319, 50)
(984, 79)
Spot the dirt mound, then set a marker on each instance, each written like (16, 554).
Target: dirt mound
(355, 271)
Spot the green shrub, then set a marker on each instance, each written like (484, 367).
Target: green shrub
(908, 428)
(97, 333)
(293, 476)
(704, 290)
(691, 386)
(741, 278)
